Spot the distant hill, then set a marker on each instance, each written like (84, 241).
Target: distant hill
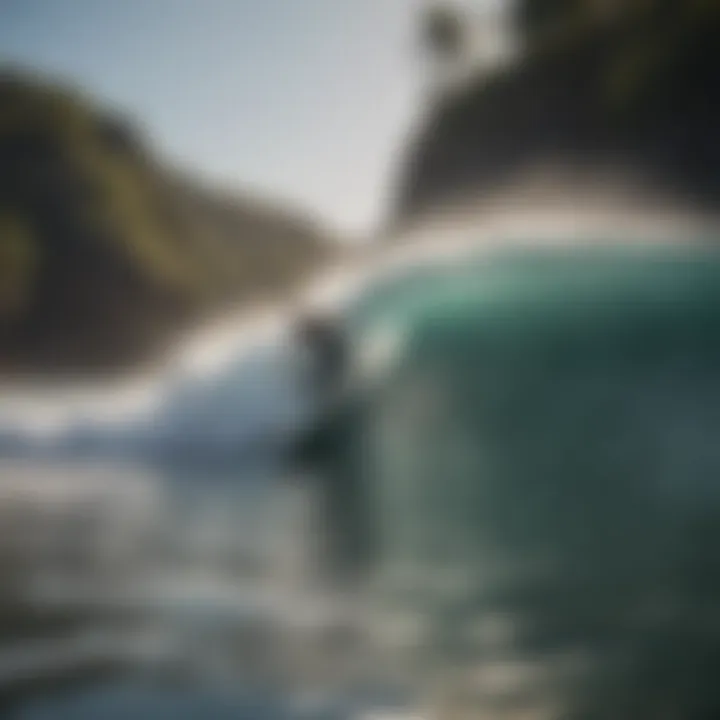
(596, 86)
(105, 252)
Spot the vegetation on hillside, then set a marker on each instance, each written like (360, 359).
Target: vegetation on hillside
(635, 83)
(104, 253)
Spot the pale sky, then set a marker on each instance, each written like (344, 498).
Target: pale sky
(304, 100)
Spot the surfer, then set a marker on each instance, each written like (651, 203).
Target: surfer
(324, 452)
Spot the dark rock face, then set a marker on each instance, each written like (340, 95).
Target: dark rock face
(638, 94)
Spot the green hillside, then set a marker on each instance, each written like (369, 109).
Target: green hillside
(105, 252)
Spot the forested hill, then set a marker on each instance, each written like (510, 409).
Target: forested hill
(595, 84)
(105, 252)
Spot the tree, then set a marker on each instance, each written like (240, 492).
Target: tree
(444, 42)
(444, 33)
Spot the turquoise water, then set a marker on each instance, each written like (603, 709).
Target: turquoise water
(543, 456)
(533, 467)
